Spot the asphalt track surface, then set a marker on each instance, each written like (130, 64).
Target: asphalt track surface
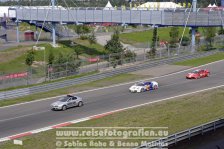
(35, 115)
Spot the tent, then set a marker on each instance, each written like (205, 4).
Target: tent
(209, 6)
(212, 6)
(159, 5)
(108, 6)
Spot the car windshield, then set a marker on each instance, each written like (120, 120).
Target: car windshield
(139, 84)
(64, 99)
(195, 71)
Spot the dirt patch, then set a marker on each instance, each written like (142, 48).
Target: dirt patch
(38, 63)
(10, 55)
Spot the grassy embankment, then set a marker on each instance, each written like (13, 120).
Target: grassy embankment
(14, 58)
(146, 36)
(203, 60)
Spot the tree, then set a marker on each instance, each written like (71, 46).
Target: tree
(51, 57)
(78, 29)
(185, 41)
(115, 49)
(128, 54)
(82, 29)
(72, 64)
(152, 52)
(174, 35)
(60, 63)
(77, 51)
(114, 45)
(92, 38)
(209, 35)
(221, 31)
(30, 58)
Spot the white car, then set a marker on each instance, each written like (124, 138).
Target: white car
(67, 102)
(144, 86)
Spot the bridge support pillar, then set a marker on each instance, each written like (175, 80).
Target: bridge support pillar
(53, 35)
(17, 31)
(193, 31)
(53, 27)
(194, 3)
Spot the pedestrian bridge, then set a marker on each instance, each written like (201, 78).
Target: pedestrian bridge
(174, 17)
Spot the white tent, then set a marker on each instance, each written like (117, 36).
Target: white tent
(209, 6)
(212, 6)
(108, 6)
(159, 5)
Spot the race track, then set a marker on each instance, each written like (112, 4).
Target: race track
(35, 115)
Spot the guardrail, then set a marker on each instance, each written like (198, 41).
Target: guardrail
(187, 134)
(66, 83)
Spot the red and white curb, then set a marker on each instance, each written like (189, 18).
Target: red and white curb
(98, 116)
(24, 134)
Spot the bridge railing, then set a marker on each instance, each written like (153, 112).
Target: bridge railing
(187, 134)
(174, 17)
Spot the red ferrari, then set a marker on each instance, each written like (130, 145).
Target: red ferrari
(196, 74)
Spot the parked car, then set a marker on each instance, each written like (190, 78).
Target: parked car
(67, 102)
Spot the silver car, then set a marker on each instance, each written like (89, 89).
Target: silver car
(67, 102)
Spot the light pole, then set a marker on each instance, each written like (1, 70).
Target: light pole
(194, 2)
(53, 26)
(45, 65)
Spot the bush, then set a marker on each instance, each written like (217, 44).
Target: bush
(185, 41)
(83, 37)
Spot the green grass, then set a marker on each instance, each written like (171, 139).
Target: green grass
(16, 62)
(72, 89)
(176, 114)
(146, 36)
(203, 60)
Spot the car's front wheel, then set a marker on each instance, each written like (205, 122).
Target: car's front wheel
(208, 74)
(142, 90)
(64, 108)
(155, 87)
(80, 104)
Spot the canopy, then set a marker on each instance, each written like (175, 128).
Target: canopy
(212, 6)
(160, 5)
(108, 6)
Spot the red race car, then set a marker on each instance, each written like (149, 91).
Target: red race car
(196, 74)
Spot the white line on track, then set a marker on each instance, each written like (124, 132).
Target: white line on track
(3, 120)
(113, 85)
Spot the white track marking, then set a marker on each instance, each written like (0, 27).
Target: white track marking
(8, 119)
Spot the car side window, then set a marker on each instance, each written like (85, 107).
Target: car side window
(74, 98)
(69, 99)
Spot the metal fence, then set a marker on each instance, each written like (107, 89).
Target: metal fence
(40, 73)
(66, 83)
(112, 60)
(187, 134)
